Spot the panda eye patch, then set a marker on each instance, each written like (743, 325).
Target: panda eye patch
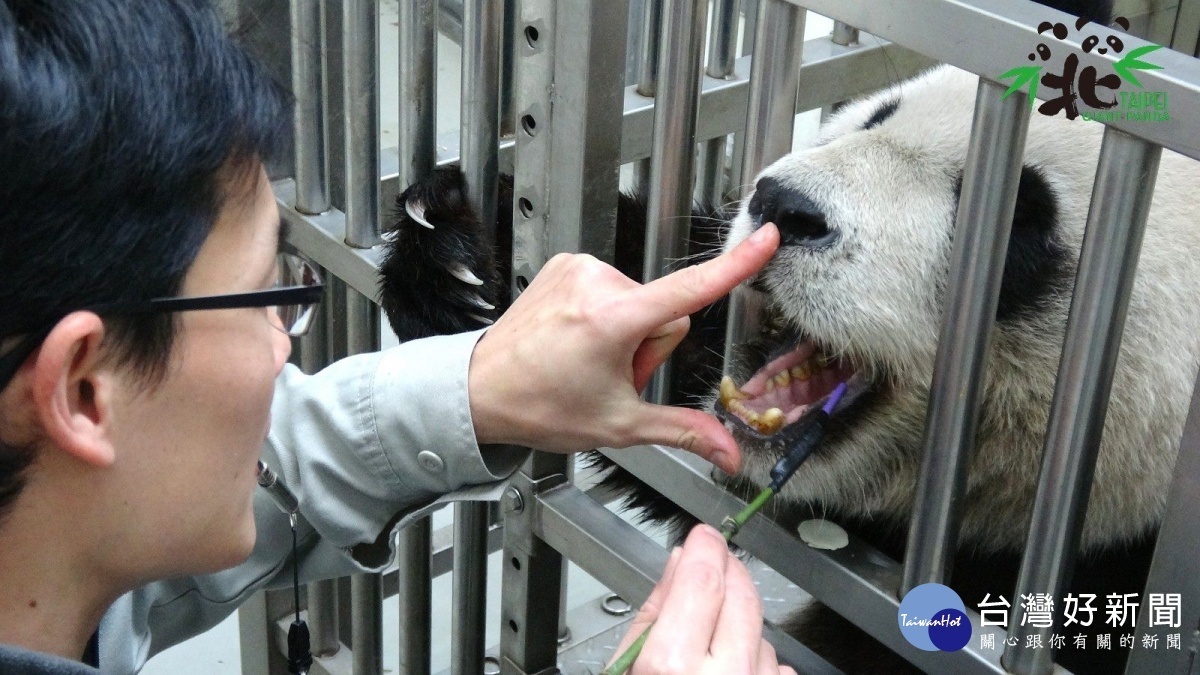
(881, 114)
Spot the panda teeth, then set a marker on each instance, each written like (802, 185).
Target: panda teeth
(730, 391)
(416, 211)
(771, 421)
(465, 275)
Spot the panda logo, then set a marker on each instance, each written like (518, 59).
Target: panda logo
(1097, 91)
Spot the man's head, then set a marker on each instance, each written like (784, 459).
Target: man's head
(132, 134)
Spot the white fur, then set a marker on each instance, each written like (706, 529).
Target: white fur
(876, 295)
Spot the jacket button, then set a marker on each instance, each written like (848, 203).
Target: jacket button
(430, 461)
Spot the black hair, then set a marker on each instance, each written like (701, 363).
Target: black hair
(123, 126)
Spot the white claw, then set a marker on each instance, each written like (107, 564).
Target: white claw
(416, 211)
(483, 320)
(481, 303)
(465, 275)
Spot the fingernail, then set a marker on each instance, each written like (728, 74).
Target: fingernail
(725, 462)
(760, 235)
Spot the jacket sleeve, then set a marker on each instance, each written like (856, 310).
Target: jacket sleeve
(366, 445)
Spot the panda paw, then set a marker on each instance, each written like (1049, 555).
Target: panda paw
(437, 276)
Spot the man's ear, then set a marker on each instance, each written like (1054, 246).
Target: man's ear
(72, 394)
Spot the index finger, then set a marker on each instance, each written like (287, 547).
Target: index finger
(693, 288)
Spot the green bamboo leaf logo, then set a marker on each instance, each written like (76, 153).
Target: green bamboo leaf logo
(1023, 75)
(1130, 62)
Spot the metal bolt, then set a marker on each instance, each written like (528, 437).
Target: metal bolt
(513, 502)
(615, 605)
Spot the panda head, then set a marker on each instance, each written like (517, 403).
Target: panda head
(856, 290)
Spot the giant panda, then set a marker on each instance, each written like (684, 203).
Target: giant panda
(866, 216)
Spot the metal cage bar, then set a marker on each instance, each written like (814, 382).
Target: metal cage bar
(308, 83)
(981, 229)
(360, 94)
(418, 154)
(770, 119)
(366, 590)
(483, 21)
(722, 42)
(1175, 556)
(1112, 241)
(318, 350)
(673, 159)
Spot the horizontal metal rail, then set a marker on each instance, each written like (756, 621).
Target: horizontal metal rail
(629, 562)
(1010, 36)
(857, 581)
(829, 73)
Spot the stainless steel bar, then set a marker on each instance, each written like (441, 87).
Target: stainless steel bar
(480, 134)
(417, 153)
(418, 90)
(857, 581)
(770, 119)
(844, 34)
(1176, 566)
(480, 120)
(366, 590)
(647, 81)
(774, 85)
(470, 586)
(322, 618)
(722, 40)
(360, 43)
(308, 87)
(1107, 262)
(672, 162)
(315, 354)
(1002, 33)
(647, 84)
(981, 229)
(366, 624)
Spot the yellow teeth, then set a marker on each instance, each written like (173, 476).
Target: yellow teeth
(783, 379)
(730, 391)
(771, 421)
(802, 372)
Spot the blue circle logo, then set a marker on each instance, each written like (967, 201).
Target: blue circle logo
(932, 617)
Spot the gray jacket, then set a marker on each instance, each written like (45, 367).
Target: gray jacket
(346, 442)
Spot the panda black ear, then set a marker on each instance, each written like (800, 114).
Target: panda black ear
(1099, 11)
(1122, 22)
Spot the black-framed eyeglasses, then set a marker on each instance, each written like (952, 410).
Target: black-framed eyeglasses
(294, 299)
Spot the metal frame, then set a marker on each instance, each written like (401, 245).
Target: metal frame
(588, 122)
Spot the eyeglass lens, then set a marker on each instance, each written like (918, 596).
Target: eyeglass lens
(295, 271)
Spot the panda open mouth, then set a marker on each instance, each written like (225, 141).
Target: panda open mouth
(779, 393)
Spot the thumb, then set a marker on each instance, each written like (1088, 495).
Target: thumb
(697, 432)
(648, 614)
(656, 348)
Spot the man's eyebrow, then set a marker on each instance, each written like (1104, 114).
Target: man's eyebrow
(284, 228)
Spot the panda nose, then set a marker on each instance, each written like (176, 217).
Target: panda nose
(799, 219)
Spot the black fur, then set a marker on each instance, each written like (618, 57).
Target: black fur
(881, 114)
(1037, 266)
(419, 295)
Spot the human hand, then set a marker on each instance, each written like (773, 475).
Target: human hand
(563, 368)
(706, 615)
